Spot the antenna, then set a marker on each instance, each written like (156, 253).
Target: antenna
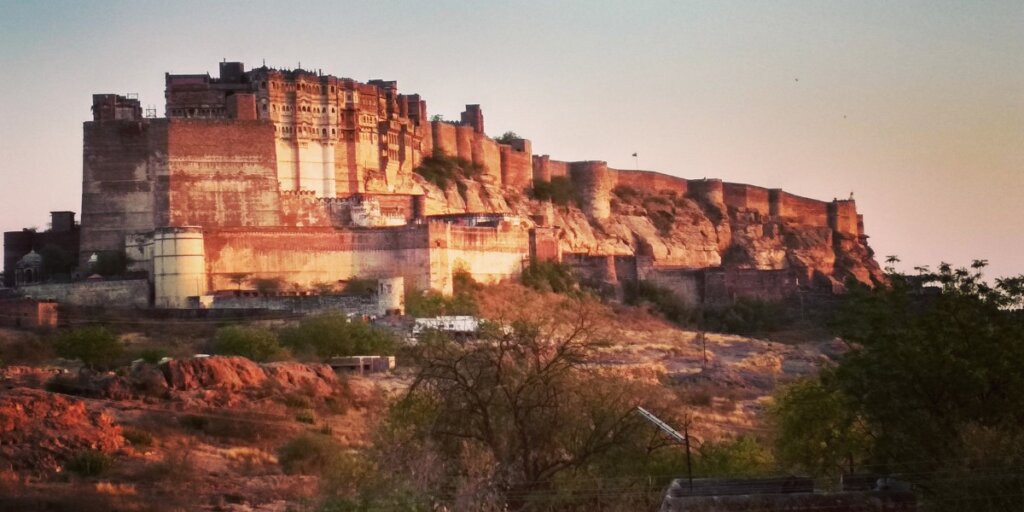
(683, 438)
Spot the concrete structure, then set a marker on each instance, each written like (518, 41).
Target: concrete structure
(787, 493)
(391, 296)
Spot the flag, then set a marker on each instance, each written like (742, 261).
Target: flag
(634, 154)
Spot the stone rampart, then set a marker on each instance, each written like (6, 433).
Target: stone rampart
(651, 181)
(222, 173)
(594, 183)
(128, 293)
(120, 160)
(749, 197)
(809, 212)
(842, 217)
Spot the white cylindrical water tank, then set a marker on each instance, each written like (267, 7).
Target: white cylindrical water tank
(391, 296)
(179, 266)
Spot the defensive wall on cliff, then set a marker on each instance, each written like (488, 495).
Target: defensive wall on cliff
(272, 173)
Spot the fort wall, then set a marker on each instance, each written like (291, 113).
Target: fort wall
(810, 212)
(594, 183)
(749, 197)
(317, 255)
(842, 217)
(444, 138)
(222, 173)
(517, 164)
(487, 154)
(123, 162)
(651, 181)
(128, 293)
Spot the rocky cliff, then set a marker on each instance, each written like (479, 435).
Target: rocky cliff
(683, 230)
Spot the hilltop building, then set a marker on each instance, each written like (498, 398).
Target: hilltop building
(309, 178)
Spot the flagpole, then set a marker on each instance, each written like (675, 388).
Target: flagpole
(637, 161)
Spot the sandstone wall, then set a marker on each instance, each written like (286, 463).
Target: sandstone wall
(464, 137)
(129, 293)
(120, 162)
(317, 255)
(739, 195)
(444, 138)
(487, 154)
(802, 210)
(651, 181)
(490, 255)
(843, 217)
(594, 183)
(517, 166)
(222, 173)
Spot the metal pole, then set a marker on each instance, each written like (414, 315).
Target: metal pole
(689, 466)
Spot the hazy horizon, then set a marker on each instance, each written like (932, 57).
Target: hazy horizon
(915, 107)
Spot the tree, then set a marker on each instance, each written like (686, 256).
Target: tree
(523, 403)
(238, 278)
(95, 346)
(508, 137)
(255, 343)
(334, 334)
(935, 380)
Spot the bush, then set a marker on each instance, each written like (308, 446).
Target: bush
(549, 276)
(430, 303)
(333, 334)
(94, 346)
(255, 343)
(662, 299)
(507, 137)
(746, 316)
(308, 454)
(137, 438)
(89, 463)
(559, 191)
(441, 169)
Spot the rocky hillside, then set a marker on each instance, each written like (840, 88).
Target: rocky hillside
(675, 230)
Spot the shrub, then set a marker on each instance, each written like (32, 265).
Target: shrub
(507, 137)
(89, 463)
(308, 454)
(549, 276)
(255, 343)
(305, 416)
(441, 169)
(746, 316)
(662, 299)
(137, 438)
(626, 193)
(559, 191)
(152, 355)
(430, 303)
(334, 334)
(94, 346)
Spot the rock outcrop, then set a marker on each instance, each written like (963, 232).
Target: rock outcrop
(41, 431)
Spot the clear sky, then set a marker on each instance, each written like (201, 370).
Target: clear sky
(915, 106)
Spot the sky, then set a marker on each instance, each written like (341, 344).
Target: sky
(917, 107)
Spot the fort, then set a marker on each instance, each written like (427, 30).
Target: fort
(311, 179)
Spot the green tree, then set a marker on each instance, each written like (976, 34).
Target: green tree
(522, 411)
(333, 334)
(95, 346)
(256, 343)
(549, 276)
(507, 137)
(935, 379)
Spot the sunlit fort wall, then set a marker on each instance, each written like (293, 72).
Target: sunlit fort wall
(257, 165)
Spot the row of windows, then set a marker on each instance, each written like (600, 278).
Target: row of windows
(322, 89)
(304, 130)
